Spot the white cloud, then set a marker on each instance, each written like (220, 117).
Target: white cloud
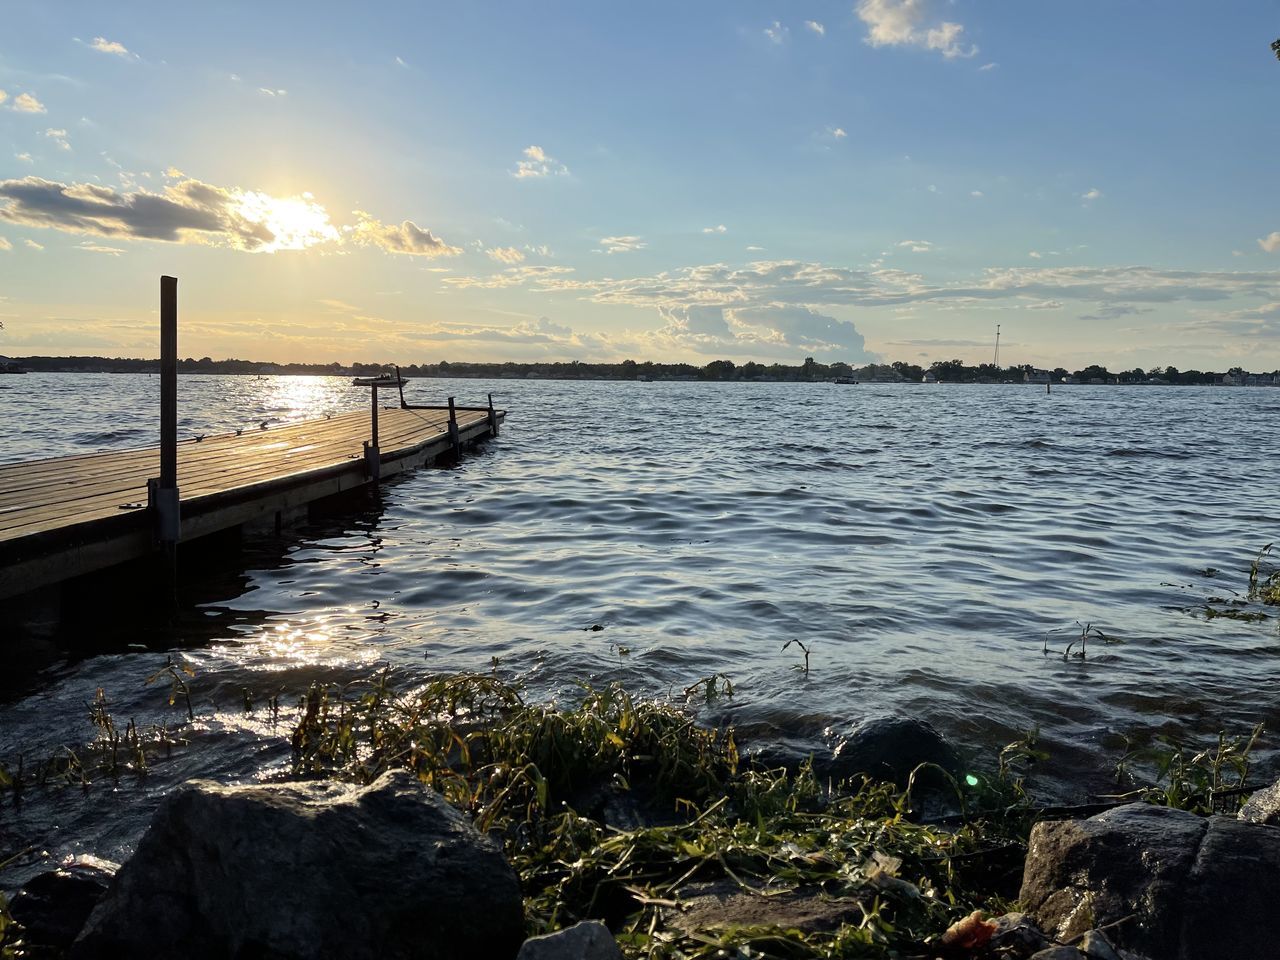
(268, 92)
(720, 228)
(912, 23)
(3, 96)
(24, 157)
(103, 45)
(505, 254)
(100, 248)
(1091, 194)
(33, 245)
(776, 32)
(5, 244)
(977, 193)
(916, 246)
(407, 238)
(511, 277)
(400, 63)
(622, 244)
(27, 103)
(537, 163)
(755, 249)
(1271, 242)
(816, 27)
(1035, 254)
(59, 137)
(989, 66)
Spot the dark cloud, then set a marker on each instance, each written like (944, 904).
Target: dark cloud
(190, 207)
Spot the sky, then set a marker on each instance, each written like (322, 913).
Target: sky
(866, 180)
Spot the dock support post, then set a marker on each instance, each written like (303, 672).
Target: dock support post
(493, 418)
(453, 430)
(164, 492)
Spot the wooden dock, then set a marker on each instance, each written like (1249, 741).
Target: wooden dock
(67, 516)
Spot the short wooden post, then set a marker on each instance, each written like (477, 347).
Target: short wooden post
(493, 418)
(163, 493)
(453, 429)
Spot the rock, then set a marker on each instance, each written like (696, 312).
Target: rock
(309, 870)
(52, 907)
(1058, 953)
(889, 748)
(723, 905)
(1165, 883)
(589, 940)
(1096, 946)
(1263, 806)
(1016, 935)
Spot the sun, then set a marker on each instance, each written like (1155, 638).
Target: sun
(285, 223)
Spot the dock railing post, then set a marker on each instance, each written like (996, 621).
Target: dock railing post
(493, 418)
(453, 429)
(164, 492)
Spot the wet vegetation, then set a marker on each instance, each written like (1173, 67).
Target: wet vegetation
(629, 810)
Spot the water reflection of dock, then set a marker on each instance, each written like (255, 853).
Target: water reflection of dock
(63, 517)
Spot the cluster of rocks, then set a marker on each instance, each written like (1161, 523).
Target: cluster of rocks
(390, 870)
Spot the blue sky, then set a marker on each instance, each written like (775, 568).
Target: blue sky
(872, 179)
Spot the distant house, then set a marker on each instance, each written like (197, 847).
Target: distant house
(929, 377)
(1036, 376)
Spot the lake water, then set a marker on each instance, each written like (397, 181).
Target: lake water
(926, 542)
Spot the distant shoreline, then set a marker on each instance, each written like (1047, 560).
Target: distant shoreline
(949, 372)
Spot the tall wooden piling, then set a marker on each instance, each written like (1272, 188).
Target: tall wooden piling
(164, 492)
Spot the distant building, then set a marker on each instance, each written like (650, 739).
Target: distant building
(929, 377)
(1036, 376)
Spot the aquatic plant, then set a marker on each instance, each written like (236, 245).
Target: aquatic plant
(1264, 578)
(1213, 779)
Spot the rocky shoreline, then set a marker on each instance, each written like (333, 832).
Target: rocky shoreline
(476, 846)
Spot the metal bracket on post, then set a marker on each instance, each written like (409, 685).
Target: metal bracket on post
(453, 429)
(372, 461)
(165, 506)
(493, 418)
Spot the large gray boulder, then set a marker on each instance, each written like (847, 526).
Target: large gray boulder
(309, 870)
(1164, 883)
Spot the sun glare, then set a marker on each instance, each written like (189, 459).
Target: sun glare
(295, 223)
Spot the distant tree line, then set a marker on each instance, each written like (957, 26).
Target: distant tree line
(946, 371)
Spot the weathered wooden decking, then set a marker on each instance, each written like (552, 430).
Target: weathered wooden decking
(67, 516)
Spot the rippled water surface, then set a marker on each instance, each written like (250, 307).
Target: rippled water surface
(927, 543)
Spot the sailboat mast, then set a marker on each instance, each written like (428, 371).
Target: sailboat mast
(996, 362)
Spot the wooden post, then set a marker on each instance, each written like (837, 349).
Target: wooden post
(453, 429)
(164, 493)
(493, 418)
